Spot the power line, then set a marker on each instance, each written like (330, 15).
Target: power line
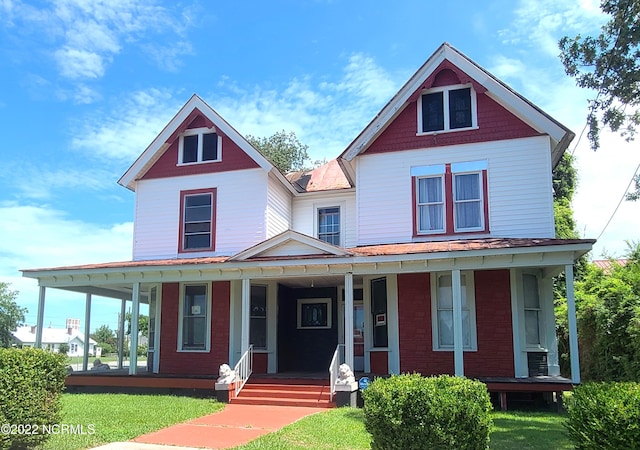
(624, 194)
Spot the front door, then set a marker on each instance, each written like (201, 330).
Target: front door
(358, 335)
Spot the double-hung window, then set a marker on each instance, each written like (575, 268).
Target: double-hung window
(532, 310)
(430, 204)
(258, 317)
(197, 220)
(199, 145)
(442, 311)
(195, 319)
(447, 109)
(329, 225)
(450, 198)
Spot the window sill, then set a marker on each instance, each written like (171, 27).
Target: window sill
(195, 163)
(378, 349)
(193, 351)
(451, 349)
(438, 132)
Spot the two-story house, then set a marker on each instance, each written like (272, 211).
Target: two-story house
(428, 245)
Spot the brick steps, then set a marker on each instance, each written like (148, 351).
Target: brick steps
(286, 392)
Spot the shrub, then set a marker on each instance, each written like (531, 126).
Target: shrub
(414, 412)
(31, 382)
(605, 416)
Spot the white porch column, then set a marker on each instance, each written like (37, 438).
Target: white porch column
(573, 326)
(348, 319)
(123, 307)
(87, 331)
(246, 315)
(458, 345)
(135, 314)
(40, 319)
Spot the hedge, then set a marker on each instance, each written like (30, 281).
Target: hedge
(414, 412)
(605, 416)
(31, 382)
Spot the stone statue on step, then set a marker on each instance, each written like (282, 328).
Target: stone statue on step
(225, 374)
(345, 375)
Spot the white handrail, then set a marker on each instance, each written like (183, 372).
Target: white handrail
(334, 367)
(243, 369)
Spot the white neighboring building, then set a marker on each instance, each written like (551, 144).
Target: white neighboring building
(52, 338)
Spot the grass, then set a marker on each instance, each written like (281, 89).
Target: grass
(120, 417)
(344, 428)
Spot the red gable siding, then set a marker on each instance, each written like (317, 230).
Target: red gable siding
(493, 323)
(494, 123)
(194, 363)
(233, 157)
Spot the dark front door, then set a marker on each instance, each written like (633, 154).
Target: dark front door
(307, 328)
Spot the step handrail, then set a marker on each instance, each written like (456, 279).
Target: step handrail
(243, 369)
(334, 373)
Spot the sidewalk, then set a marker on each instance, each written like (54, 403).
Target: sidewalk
(234, 425)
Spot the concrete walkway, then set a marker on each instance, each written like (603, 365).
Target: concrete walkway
(234, 425)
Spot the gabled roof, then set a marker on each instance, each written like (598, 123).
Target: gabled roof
(194, 107)
(483, 81)
(289, 243)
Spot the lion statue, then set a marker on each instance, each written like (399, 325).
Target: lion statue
(225, 374)
(345, 375)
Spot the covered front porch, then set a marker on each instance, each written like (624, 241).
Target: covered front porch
(378, 301)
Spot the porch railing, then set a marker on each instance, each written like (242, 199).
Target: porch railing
(243, 369)
(334, 366)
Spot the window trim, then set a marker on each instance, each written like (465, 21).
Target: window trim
(302, 301)
(341, 205)
(181, 224)
(541, 345)
(445, 100)
(265, 317)
(198, 132)
(448, 171)
(471, 302)
(208, 316)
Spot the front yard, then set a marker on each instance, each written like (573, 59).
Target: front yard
(120, 417)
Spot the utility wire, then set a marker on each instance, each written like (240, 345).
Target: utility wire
(624, 194)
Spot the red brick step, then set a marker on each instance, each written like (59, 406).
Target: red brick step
(285, 392)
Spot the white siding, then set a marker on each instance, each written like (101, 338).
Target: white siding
(520, 189)
(278, 214)
(241, 202)
(305, 213)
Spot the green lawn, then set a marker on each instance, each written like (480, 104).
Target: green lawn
(344, 428)
(120, 417)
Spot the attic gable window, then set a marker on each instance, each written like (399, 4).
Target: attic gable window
(449, 108)
(199, 145)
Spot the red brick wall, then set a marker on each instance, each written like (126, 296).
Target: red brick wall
(494, 123)
(194, 363)
(379, 362)
(493, 323)
(260, 362)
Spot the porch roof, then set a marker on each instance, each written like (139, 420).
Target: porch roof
(116, 279)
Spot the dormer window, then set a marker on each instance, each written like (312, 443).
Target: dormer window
(449, 108)
(199, 145)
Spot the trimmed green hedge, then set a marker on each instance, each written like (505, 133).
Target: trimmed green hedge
(414, 412)
(31, 382)
(605, 416)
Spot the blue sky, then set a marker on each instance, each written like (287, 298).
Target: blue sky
(87, 84)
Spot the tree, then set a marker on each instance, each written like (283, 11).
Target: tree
(105, 335)
(143, 324)
(63, 349)
(11, 315)
(283, 149)
(609, 64)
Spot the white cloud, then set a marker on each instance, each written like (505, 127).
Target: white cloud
(39, 236)
(86, 35)
(124, 133)
(325, 115)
